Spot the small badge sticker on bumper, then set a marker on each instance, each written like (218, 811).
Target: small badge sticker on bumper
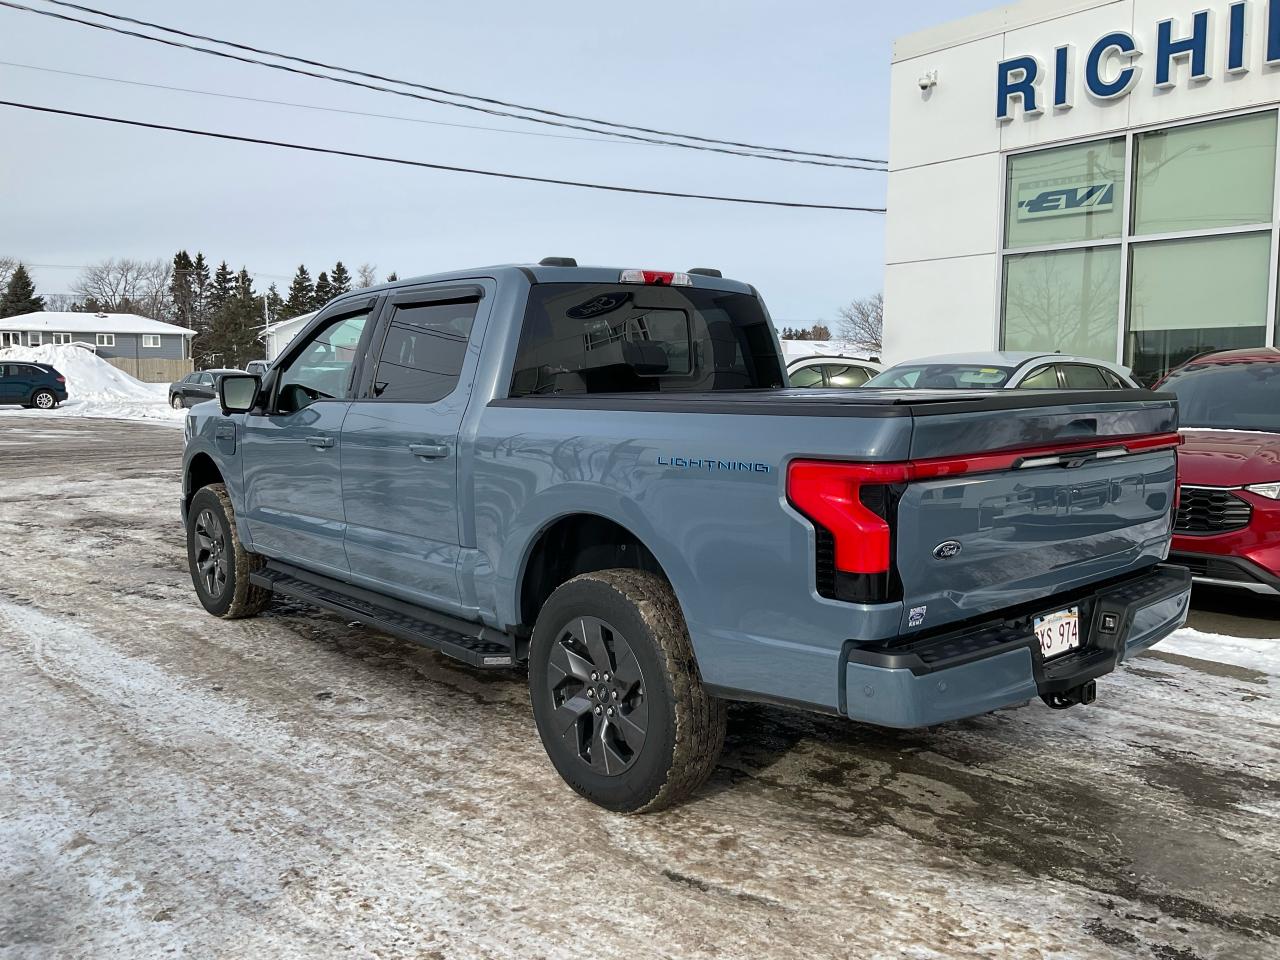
(916, 616)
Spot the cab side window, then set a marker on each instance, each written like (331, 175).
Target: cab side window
(1045, 378)
(321, 370)
(423, 351)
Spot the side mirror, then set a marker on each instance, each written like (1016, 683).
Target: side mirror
(238, 392)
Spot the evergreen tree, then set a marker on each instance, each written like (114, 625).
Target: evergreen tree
(20, 295)
(181, 290)
(220, 341)
(392, 277)
(301, 295)
(233, 336)
(222, 288)
(340, 279)
(201, 287)
(324, 291)
(274, 305)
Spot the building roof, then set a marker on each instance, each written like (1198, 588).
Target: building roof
(991, 23)
(300, 320)
(57, 321)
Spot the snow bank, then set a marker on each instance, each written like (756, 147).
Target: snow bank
(1260, 655)
(96, 388)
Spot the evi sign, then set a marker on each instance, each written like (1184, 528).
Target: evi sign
(1112, 65)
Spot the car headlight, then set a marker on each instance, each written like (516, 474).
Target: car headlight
(1271, 490)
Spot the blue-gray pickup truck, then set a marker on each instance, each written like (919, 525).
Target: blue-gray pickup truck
(602, 475)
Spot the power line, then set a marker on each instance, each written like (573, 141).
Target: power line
(451, 93)
(312, 106)
(439, 166)
(419, 96)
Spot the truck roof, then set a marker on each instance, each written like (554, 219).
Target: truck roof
(540, 273)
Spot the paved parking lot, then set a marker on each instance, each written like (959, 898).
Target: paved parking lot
(291, 786)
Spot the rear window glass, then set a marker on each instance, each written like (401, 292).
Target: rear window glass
(610, 338)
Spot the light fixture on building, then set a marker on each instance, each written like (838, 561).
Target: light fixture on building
(928, 81)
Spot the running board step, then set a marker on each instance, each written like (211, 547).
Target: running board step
(472, 643)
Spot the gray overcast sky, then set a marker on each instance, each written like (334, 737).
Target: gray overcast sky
(811, 75)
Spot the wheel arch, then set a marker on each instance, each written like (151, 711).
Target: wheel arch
(201, 471)
(574, 543)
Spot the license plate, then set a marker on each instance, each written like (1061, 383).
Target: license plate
(1058, 632)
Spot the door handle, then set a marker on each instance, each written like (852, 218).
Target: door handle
(320, 441)
(429, 451)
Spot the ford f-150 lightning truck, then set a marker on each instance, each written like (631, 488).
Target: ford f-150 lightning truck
(602, 475)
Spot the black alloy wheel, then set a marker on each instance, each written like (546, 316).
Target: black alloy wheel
(597, 687)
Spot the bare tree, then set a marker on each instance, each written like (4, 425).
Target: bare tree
(61, 302)
(7, 266)
(121, 285)
(862, 323)
(367, 275)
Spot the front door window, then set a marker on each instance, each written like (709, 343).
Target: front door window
(322, 369)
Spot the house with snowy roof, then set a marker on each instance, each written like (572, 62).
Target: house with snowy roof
(144, 348)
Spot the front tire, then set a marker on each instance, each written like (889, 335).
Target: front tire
(177, 402)
(44, 400)
(219, 563)
(616, 692)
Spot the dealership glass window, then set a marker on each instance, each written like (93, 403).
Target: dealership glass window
(1205, 175)
(1067, 300)
(1194, 295)
(1066, 195)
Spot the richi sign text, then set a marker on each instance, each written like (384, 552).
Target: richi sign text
(1211, 42)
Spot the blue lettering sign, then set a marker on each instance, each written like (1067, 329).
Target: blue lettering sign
(1194, 48)
(1238, 37)
(1063, 68)
(1273, 32)
(1017, 78)
(1119, 43)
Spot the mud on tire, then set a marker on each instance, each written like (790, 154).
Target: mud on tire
(630, 620)
(219, 564)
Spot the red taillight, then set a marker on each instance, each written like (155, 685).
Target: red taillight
(62, 379)
(656, 278)
(830, 494)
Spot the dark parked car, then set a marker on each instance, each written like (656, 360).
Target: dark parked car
(32, 385)
(1228, 526)
(196, 387)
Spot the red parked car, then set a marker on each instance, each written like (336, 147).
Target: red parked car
(1228, 525)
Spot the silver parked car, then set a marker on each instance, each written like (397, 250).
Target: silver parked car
(1007, 370)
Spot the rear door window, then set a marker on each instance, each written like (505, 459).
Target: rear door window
(1079, 376)
(846, 376)
(807, 377)
(618, 338)
(423, 351)
(1044, 378)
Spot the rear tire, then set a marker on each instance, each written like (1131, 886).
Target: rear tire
(219, 563)
(616, 692)
(44, 400)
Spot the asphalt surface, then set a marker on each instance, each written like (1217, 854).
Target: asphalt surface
(292, 786)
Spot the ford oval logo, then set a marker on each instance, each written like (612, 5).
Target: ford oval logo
(947, 549)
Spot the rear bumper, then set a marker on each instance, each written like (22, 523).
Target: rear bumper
(996, 663)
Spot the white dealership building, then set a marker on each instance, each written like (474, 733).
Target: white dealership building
(1087, 176)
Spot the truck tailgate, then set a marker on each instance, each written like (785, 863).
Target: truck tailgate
(1009, 506)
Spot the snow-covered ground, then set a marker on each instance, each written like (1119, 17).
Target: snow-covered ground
(96, 388)
(295, 786)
